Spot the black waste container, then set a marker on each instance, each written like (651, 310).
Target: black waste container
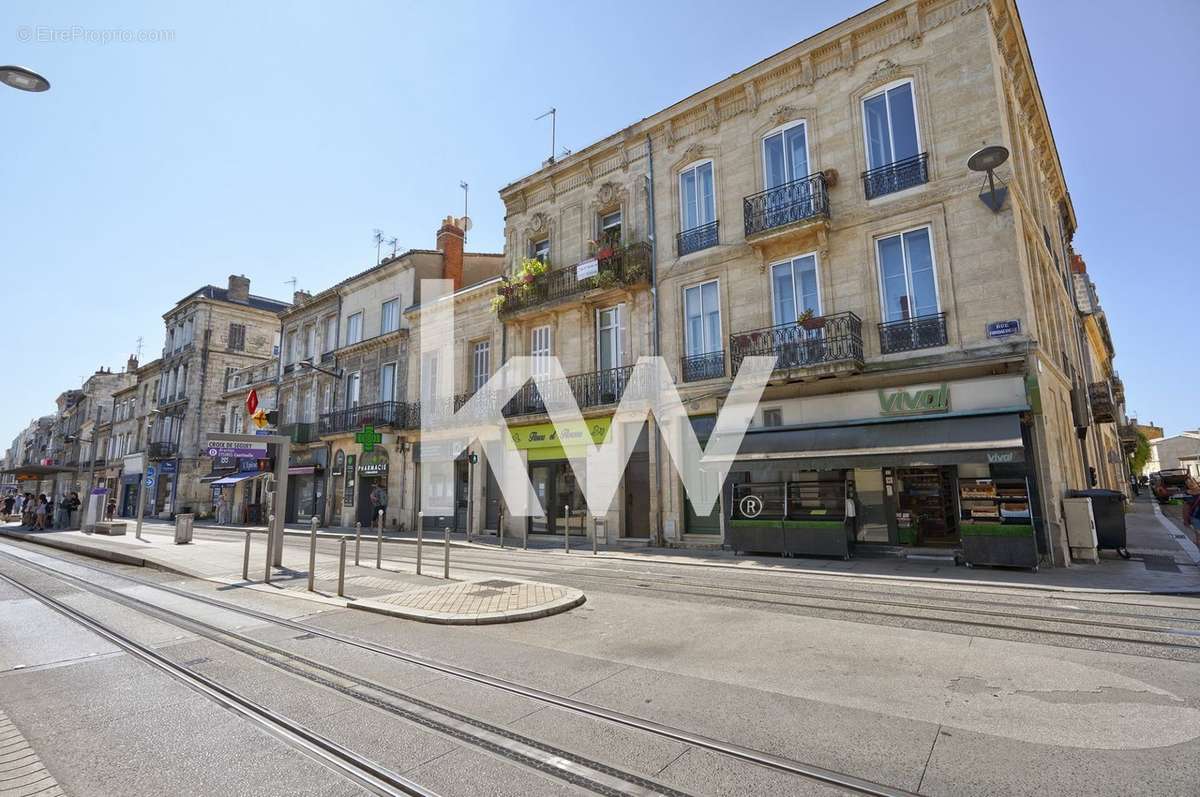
(1108, 510)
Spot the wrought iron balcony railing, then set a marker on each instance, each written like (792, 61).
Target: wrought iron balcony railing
(162, 450)
(802, 344)
(379, 415)
(702, 366)
(919, 332)
(896, 176)
(626, 266)
(595, 389)
(798, 201)
(697, 238)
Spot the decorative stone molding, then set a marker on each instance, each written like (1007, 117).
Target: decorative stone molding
(693, 153)
(751, 96)
(784, 113)
(609, 194)
(885, 70)
(537, 224)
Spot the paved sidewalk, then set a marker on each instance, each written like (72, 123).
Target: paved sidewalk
(479, 600)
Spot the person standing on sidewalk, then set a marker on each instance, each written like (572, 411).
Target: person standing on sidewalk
(39, 513)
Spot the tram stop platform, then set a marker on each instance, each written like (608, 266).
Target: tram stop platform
(393, 589)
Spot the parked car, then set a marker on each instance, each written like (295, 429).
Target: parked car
(1171, 483)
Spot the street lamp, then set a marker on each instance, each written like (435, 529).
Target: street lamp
(24, 79)
(307, 365)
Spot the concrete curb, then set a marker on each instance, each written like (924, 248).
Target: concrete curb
(363, 604)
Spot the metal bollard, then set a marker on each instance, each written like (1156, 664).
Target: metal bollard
(500, 527)
(312, 556)
(595, 534)
(246, 560)
(446, 558)
(420, 536)
(357, 541)
(342, 568)
(525, 535)
(567, 528)
(267, 573)
(379, 548)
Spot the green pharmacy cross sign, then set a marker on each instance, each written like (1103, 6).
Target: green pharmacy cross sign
(368, 438)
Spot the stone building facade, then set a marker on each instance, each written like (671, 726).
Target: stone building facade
(818, 207)
(210, 333)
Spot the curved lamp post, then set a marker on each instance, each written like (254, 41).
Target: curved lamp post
(24, 79)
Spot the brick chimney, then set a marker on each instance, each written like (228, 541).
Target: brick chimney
(450, 243)
(300, 297)
(131, 364)
(239, 288)
(1077, 265)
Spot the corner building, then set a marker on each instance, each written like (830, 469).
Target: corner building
(817, 207)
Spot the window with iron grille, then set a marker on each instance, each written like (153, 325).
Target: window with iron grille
(481, 364)
(773, 417)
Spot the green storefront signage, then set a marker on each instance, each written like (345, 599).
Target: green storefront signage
(915, 402)
(543, 441)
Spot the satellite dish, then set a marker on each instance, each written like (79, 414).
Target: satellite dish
(465, 223)
(987, 159)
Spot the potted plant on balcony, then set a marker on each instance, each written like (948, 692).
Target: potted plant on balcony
(810, 321)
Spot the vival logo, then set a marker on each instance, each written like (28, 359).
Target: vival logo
(915, 402)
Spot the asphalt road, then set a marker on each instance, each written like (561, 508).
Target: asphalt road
(934, 690)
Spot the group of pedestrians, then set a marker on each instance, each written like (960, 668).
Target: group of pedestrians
(37, 512)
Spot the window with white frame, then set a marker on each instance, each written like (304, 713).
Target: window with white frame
(890, 125)
(308, 405)
(429, 378)
(354, 328)
(697, 200)
(481, 364)
(389, 317)
(702, 319)
(310, 341)
(610, 337)
(785, 154)
(290, 352)
(907, 275)
(289, 409)
(795, 289)
(327, 399)
(540, 250)
(610, 228)
(329, 336)
(353, 386)
(541, 348)
(387, 382)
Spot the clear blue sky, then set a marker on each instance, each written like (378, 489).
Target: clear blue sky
(271, 142)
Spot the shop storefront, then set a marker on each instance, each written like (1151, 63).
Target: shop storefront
(919, 466)
(306, 485)
(127, 502)
(237, 496)
(367, 475)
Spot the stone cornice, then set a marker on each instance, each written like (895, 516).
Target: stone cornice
(840, 47)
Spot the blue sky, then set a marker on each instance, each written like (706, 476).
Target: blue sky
(271, 139)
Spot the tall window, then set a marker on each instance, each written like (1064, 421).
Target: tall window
(390, 317)
(908, 279)
(429, 378)
(308, 406)
(481, 364)
(609, 337)
(327, 399)
(540, 250)
(353, 383)
(540, 349)
(387, 382)
(329, 335)
(785, 155)
(310, 341)
(610, 228)
(696, 198)
(289, 347)
(237, 337)
(702, 318)
(890, 120)
(354, 328)
(289, 409)
(794, 289)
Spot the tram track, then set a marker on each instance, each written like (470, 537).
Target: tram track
(842, 781)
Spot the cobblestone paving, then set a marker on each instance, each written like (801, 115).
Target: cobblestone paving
(21, 771)
(481, 597)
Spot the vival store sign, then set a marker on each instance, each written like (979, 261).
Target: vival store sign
(915, 402)
(237, 449)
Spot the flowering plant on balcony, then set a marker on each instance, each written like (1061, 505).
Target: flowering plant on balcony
(520, 285)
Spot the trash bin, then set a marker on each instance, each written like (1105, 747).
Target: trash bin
(1108, 510)
(183, 528)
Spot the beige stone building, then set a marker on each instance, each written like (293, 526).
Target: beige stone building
(236, 486)
(210, 333)
(372, 359)
(818, 207)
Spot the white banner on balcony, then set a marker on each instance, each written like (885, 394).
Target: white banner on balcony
(587, 268)
(134, 463)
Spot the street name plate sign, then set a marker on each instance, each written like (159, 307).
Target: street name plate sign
(1002, 329)
(238, 449)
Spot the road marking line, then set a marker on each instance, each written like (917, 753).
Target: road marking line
(1183, 542)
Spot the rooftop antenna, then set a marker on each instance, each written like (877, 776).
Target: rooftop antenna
(378, 236)
(293, 282)
(139, 347)
(395, 244)
(988, 160)
(466, 194)
(553, 114)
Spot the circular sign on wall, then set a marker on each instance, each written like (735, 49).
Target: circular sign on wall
(751, 506)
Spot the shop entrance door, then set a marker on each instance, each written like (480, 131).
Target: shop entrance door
(926, 511)
(637, 497)
(542, 477)
(462, 481)
(555, 487)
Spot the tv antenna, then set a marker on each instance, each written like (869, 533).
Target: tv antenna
(293, 282)
(378, 238)
(553, 114)
(466, 195)
(139, 347)
(395, 244)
